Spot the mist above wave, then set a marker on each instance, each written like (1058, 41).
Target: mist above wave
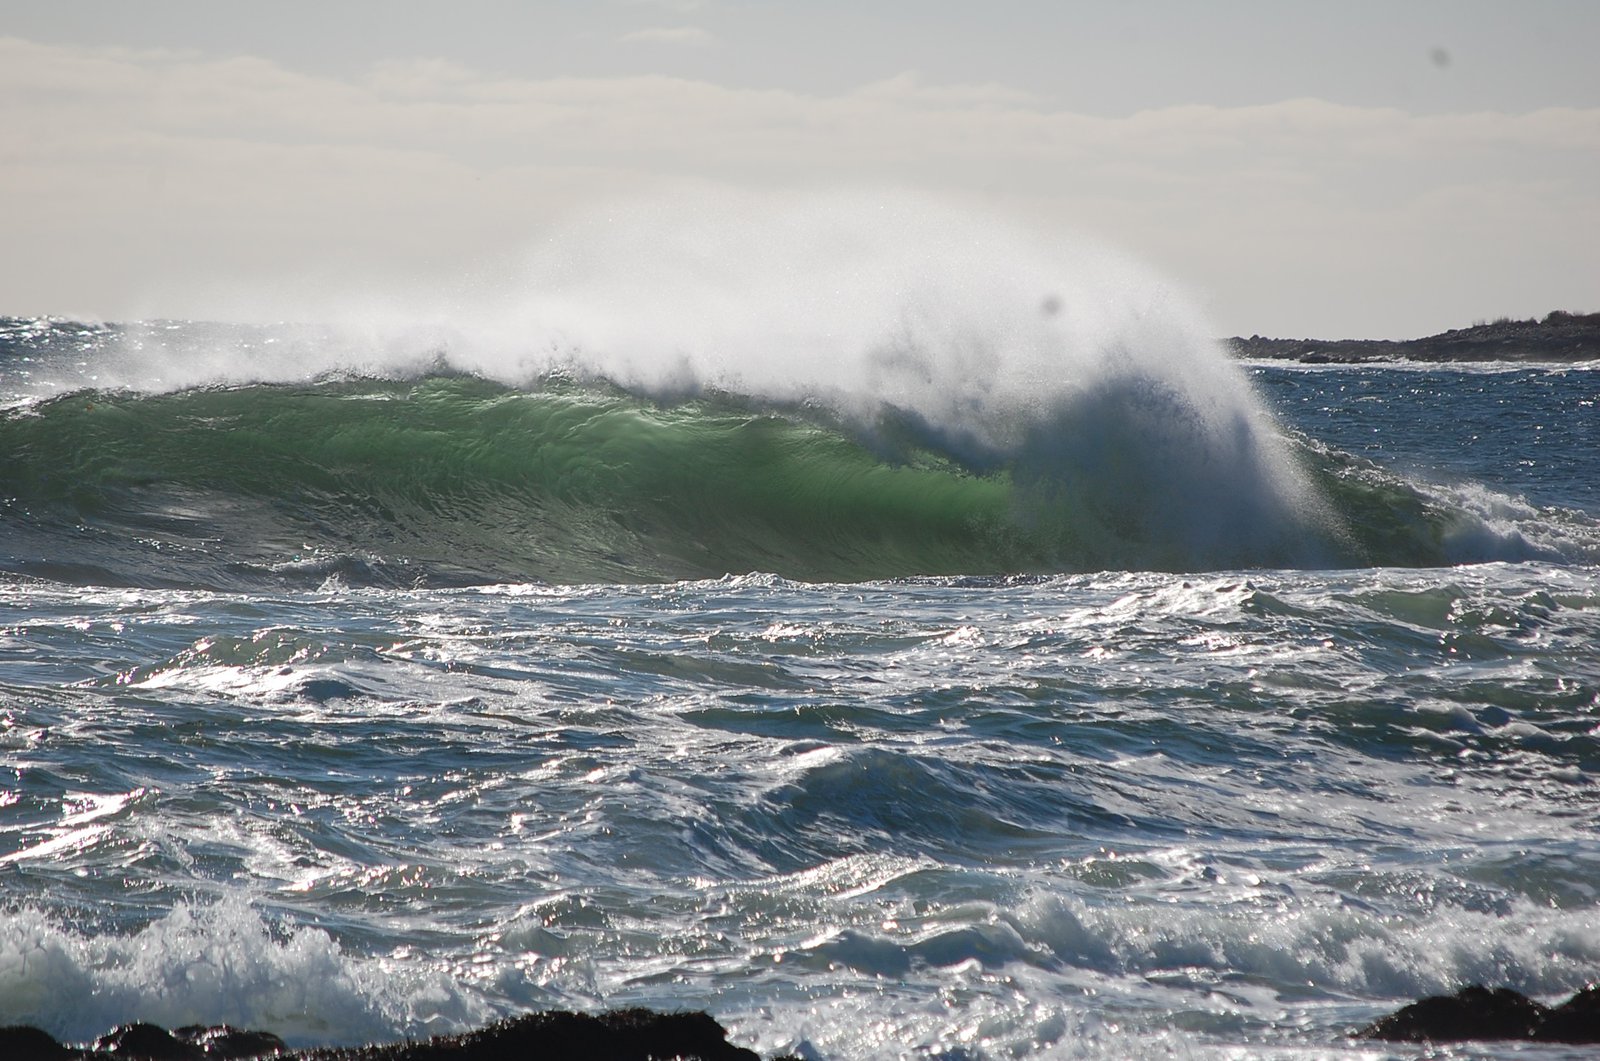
(963, 317)
(1076, 367)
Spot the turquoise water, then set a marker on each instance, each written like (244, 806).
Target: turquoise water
(387, 702)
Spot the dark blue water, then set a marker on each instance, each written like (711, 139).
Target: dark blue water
(1531, 432)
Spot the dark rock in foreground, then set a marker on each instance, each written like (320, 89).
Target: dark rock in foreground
(1559, 336)
(1577, 1020)
(622, 1035)
(1480, 1014)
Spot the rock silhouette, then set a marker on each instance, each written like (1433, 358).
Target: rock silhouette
(1478, 1013)
(621, 1035)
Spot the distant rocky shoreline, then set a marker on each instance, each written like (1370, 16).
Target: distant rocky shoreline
(1559, 336)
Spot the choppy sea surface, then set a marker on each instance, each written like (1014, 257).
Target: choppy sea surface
(1186, 709)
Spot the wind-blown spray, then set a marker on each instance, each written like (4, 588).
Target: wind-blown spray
(829, 387)
(1085, 376)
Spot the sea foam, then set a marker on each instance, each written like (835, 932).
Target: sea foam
(220, 962)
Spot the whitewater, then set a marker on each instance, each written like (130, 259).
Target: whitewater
(894, 631)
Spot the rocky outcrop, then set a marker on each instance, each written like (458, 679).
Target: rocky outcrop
(1477, 1013)
(1559, 336)
(621, 1035)
(1474, 1013)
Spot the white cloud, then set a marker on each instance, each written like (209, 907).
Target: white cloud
(142, 173)
(682, 7)
(680, 36)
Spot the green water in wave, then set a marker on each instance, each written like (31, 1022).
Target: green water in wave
(454, 479)
(460, 475)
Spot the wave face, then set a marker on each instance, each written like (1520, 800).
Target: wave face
(451, 479)
(827, 389)
(459, 478)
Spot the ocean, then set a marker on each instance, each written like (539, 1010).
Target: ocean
(1027, 680)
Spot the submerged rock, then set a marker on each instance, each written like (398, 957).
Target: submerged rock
(1477, 1013)
(621, 1035)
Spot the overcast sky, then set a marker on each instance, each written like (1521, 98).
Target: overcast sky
(1338, 169)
